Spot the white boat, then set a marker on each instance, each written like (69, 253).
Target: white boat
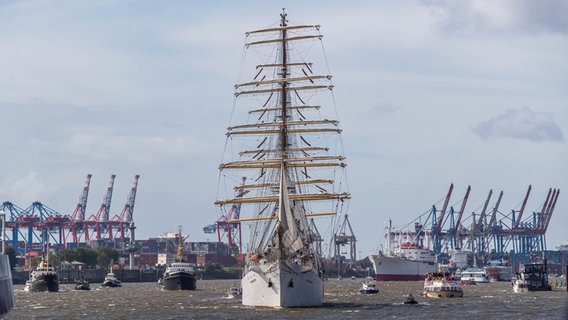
(369, 288)
(519, 285)
(291, 152)
(234, 292)
(404, 259)
(504, 272)
(476, 275)
(442, 285)
(111, 281)
(180, 275)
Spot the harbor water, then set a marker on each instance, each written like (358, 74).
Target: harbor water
(341, 301)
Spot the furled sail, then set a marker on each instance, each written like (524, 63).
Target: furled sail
(291, 241)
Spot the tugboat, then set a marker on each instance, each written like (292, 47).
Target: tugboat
(179, 275)
(536, 276)
(43, 277)
(111, 280)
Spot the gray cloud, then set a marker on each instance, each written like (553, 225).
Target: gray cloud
(523, 124)
(526, 16)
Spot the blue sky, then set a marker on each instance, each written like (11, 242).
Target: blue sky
(428, 93)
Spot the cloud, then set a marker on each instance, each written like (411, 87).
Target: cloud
(522, 124)
(28, 186)
(501, 16)
(136, 149)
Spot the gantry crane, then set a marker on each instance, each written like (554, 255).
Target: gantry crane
(345, 236)
(98, 222)
(77, 219)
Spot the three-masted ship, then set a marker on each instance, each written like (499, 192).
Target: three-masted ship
(290, 150)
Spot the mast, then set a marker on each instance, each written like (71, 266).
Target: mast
(283, 94)
(179, 254)
(286, 145)
(283, 135)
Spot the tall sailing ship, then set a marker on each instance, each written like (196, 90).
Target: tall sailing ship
(291, 153)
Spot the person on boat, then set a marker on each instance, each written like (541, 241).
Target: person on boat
(410, 299)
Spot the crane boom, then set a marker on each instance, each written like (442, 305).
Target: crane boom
(79, 213)
(457, 227)
(483, 215)
(522, 208)
(441, 219)
(547, 210)
(495, 210)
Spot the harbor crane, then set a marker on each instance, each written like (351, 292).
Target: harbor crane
(33, 226)
(491, 235)
(77, 218)
(228, 226)
(99, 221)
(345, 236)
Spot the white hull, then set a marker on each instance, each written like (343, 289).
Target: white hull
(281, 284)
(475, 275)
(6, 290)
(391, 268)
(520, 286)
(443, 294)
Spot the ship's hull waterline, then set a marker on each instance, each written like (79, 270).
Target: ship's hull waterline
(180, 281)
(281, 284)
(45, 283)
(400, 269)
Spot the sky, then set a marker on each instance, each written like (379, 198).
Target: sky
(428, 93)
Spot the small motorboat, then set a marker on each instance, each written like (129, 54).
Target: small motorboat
(82, 284)
(410, 300)
(519, 285)
(234, 292)
(369, 288)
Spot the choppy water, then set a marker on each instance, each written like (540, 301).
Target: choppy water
(148, 301)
